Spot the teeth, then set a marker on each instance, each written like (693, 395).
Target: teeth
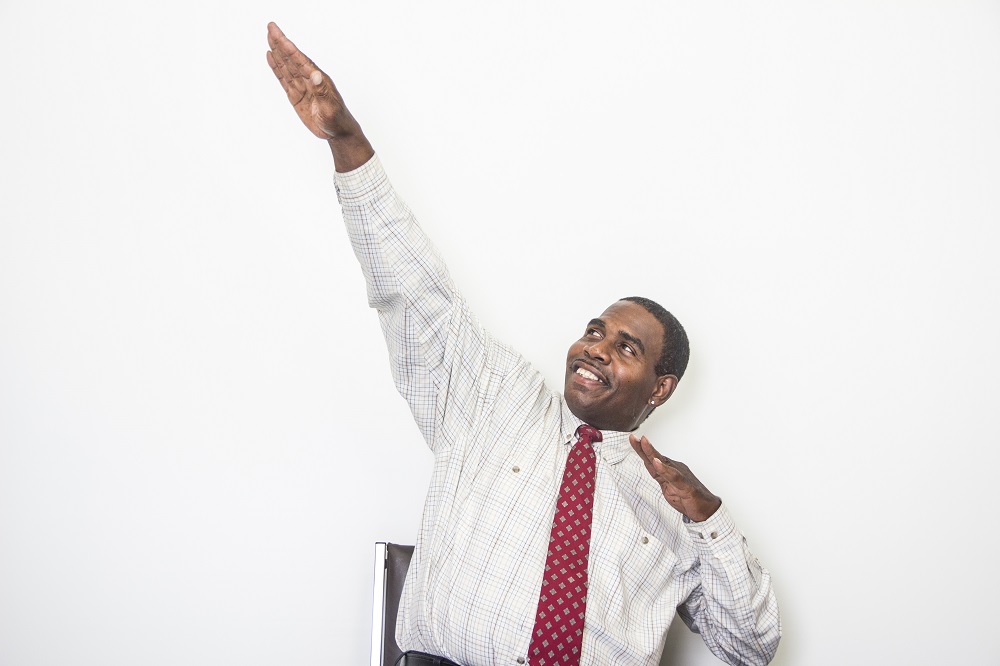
(583, 372)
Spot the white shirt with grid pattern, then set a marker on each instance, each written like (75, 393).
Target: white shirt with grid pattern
(500, 440)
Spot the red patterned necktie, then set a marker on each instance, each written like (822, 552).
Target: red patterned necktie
(562, 604)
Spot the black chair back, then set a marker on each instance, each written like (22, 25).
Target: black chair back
(397, 562)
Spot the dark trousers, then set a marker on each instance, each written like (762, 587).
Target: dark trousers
(412, 658)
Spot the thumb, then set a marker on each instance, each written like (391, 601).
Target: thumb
(327, 109)
(320, 85)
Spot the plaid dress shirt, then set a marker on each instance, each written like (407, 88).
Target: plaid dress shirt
(500, 439)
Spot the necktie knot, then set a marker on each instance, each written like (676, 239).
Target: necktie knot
(588, 434)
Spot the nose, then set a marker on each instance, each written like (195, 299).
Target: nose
(597, 350)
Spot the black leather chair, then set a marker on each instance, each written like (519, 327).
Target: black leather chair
(391, 563)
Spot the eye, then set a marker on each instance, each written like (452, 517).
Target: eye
(627, 348)
(594, 332)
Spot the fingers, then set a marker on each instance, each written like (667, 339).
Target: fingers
(282, 56)
(660, 467)
(657, 465)
(278, 71)
(645, 449)
(277, 41)
(650, 451)
(680, 487)
(287, 56)
(298, 75)
(640, 444)
(636, 443)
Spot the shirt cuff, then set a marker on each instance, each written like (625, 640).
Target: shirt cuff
(715, 532)
(365, 183)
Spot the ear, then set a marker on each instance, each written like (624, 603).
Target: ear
(665, 385)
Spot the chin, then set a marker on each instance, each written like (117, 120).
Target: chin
(579, 411)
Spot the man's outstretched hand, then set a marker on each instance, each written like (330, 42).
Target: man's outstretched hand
(680, 487)
(316, 100)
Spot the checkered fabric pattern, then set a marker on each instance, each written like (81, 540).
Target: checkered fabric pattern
(501, 438)
(562, 604)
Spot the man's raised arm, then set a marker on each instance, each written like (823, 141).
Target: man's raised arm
(316, 100)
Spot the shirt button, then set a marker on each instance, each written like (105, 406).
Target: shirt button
(714, 535)
(515, 469)
(645, 539)
(520, 660)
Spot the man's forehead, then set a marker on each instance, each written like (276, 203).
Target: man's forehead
(631, 318)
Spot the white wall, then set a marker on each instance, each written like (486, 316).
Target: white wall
(199, 439)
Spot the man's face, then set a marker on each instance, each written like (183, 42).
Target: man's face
(610, 371)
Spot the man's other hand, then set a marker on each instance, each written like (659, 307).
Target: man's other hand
(680, 487)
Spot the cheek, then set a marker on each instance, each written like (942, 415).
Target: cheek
(573, 351)
(640, 388)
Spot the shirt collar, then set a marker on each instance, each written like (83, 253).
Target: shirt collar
(612, 449)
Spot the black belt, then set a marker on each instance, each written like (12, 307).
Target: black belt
(412, 658)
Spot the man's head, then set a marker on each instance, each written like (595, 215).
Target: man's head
(627, 363)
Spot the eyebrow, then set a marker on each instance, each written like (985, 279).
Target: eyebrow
(634, 340)
(599, 323)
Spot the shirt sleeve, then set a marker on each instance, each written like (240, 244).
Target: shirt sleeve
(442, 360)
(734, 608)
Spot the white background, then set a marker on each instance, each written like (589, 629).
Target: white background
(199, 438)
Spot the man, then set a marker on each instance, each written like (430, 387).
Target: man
(490, 581)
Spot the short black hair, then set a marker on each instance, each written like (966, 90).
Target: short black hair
(676, 351)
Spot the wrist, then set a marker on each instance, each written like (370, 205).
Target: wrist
(704, 510)
(350, 151)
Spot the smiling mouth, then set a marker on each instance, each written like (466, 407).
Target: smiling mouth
(588, 374)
